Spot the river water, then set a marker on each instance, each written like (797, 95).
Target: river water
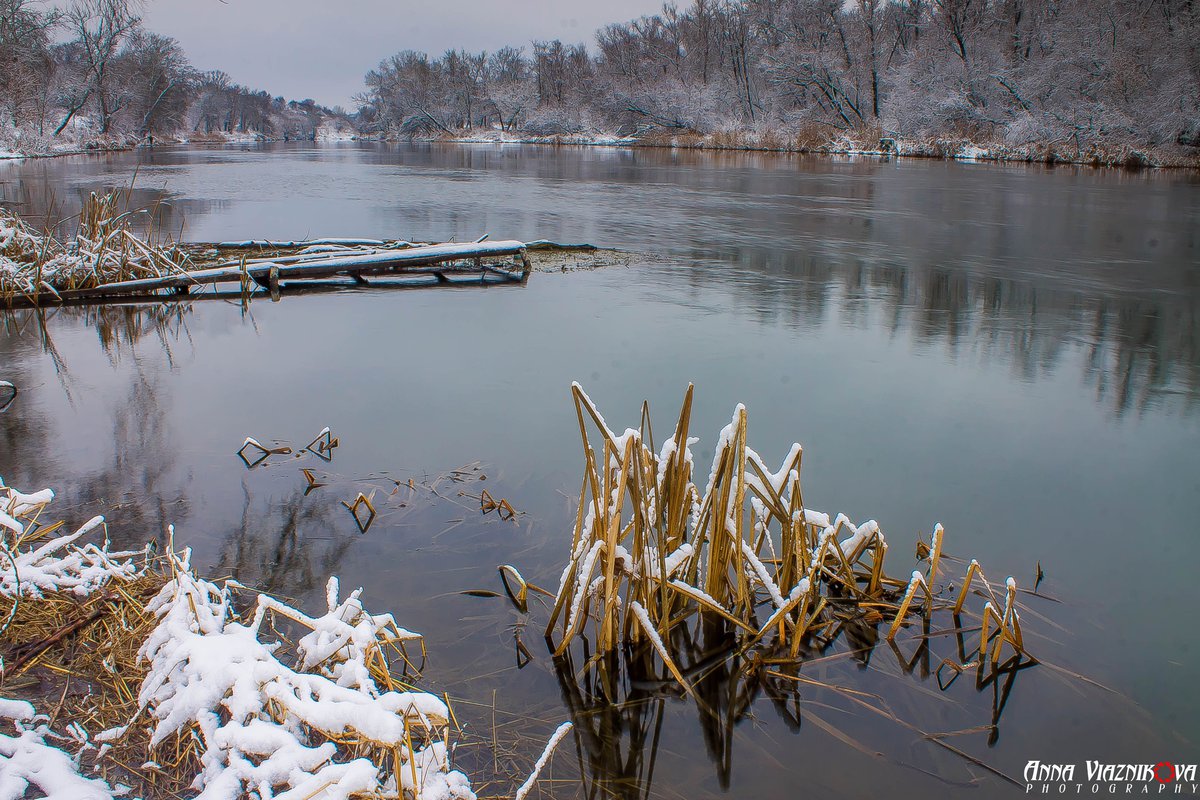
(1011, 351)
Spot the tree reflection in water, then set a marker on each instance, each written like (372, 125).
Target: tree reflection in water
(1141, 349)
(134, 481)
(288, 547)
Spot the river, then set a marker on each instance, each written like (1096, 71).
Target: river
(1012, 351)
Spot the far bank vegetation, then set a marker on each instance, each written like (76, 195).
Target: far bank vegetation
(88, 75)
(1083, 81)
(1111, 81)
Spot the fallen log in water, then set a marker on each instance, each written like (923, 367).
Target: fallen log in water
(273, 265)
(268, 244)
(438, 260)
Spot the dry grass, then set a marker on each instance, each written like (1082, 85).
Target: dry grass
(650, 550)
(77, 661)
(104, 249)
(80, 661)
(736, 591)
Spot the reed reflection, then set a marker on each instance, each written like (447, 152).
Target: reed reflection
(619, 702)
(138, 476)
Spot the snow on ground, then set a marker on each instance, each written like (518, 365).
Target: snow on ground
(517, 137)
(30, 763)
(266, 727)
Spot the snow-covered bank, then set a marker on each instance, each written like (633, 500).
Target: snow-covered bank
(15, 146)
(946, 148)
(847, 144)
(233, 707)
(327, 132)
(11, 151)
(24, 143)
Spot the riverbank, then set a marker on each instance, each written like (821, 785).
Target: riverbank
(853, 144)
(124, 672)
(10, 150)
(16, 147)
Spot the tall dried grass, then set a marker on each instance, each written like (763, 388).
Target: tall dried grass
(37, 265)
(650, 549)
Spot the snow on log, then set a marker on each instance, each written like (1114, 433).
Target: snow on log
(373, 262)
(302, 243)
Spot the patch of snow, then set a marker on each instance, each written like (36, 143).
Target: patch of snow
(265, 723)
(261, 723)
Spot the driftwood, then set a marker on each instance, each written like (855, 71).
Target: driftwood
(315, 265)
(26, 654)
(437, 260)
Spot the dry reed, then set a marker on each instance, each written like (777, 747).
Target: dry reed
(104, 249)
(650, 549)
(734, 591)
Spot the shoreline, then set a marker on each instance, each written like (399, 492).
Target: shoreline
(963, 151)
(199, 140)
(960, 151)
(165, 657)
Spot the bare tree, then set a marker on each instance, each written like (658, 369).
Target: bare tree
(100, 26)
(26, 64)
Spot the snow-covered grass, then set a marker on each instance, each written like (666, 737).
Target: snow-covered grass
(189, 694)
(104, 249)
(28, 143)
(34, 759)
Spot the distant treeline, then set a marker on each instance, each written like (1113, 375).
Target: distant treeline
(1073, 79)
(89, 73)
(1079, 80)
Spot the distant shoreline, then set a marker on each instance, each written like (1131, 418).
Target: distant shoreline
(959, 150)
(941, 150)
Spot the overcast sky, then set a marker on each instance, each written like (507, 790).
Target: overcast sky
(322, 48)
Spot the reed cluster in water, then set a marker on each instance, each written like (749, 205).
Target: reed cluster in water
(104, 249)
(650, 549)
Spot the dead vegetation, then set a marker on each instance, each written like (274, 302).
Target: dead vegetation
(726, 592)
(108, 261)
(116, 665)
(104, 249)
(651, 549)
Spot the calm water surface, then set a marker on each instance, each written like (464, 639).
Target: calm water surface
(1010, 351)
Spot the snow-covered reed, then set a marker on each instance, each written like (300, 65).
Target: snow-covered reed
(104, 249)
(651, 549)
(189, 694)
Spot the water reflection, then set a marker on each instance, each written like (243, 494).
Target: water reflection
(288, 548)
(47, 204)
(619, 701)
(970, 346)
(133, 480)
(1139, 352)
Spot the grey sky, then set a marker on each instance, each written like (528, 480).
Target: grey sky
(322, 48)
